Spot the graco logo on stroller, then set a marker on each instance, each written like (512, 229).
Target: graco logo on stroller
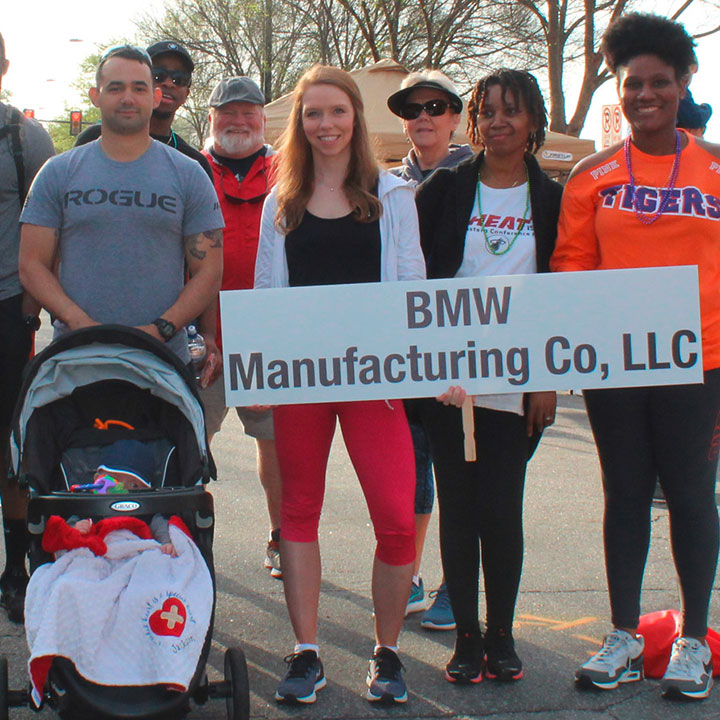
(125, 506)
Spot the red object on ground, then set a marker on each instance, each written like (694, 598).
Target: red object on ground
(660, 629)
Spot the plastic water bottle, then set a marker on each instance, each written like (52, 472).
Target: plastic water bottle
(197, 348)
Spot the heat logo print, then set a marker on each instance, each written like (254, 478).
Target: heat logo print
(501, 230)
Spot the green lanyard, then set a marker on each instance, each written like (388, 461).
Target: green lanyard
(525, 218)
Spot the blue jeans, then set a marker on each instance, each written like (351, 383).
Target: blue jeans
(424, 484)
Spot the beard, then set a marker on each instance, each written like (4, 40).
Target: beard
(126, 126)
(238, 144)
(162, 114)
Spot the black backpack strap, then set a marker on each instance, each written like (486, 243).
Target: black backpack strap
(12, 128)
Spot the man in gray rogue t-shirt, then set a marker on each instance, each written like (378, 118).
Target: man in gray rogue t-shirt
(125, 212)
(122, 226)
(18, 319)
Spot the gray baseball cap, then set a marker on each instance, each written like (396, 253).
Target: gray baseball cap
(236, 89)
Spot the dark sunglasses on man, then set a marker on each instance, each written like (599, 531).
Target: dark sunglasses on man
(434, 108)
(180, 78)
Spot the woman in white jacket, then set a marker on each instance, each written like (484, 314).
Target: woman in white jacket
(334, 217)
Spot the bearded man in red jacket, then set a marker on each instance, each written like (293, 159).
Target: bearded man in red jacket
(241, 164)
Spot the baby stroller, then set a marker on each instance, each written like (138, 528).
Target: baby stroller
(83, 392)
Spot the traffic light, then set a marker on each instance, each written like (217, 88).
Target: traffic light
(75, 122)
(29, 113)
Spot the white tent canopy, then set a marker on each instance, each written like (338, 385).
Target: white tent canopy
(377, 82)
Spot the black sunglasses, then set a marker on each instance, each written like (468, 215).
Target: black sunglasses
(434, 108)
(178, 77)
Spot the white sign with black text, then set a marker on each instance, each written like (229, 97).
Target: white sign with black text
(521, 333)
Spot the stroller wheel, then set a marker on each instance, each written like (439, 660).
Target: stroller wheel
(236, 675)
(4, 713)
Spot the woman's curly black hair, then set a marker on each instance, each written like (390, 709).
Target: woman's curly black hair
(647, 34)
(523, 87)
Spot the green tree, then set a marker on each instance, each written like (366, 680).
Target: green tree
(275, 40)
(571, 31)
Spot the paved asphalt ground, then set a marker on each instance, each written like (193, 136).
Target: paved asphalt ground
(561, 615)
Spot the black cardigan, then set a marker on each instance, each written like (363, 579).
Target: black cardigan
(445, 201)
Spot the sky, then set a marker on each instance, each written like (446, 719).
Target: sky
(46, 41)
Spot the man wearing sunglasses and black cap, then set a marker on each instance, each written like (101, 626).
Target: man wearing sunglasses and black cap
(172, 73)
(241, 162)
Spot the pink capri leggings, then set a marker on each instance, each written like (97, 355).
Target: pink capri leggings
(378, 441)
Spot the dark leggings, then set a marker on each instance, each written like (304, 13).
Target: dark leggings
(480, 505)
(668, 433)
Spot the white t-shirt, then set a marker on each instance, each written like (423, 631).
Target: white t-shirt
(500, 250)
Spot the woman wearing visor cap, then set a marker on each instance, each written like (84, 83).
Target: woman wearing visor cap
(430, 108)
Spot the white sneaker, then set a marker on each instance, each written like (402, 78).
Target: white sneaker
(689, 672)
(619, 661)
(272, 559)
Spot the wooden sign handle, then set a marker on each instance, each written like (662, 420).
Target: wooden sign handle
(468, 423)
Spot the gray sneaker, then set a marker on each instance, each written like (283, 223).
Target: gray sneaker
(272, 559)
(620, 660)
(303, 678)
(384, 679)
(689, 672)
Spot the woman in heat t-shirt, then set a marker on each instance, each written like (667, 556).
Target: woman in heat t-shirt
(495, 214)
(653, 200)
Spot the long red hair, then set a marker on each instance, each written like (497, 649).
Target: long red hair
(295, 169)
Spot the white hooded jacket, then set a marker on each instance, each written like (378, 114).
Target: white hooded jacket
(401, 257)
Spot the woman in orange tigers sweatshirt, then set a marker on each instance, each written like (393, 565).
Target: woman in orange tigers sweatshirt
(653, 200)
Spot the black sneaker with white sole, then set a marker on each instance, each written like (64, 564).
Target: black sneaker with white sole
(303, 679)
(385, 681)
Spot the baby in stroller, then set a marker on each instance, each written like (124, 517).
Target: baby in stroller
(117, 628)
(127, 466)
(128, 602)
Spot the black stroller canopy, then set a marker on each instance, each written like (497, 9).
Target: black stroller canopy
(115, 353)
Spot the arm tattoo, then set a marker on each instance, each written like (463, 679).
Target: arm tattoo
(191, 245)
(193, 241)
(215, 237)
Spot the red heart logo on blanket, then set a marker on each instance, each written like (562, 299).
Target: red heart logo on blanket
(170, 618)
